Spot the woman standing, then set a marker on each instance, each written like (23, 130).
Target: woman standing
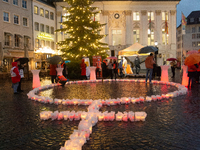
(110, 68)
(115, 68)
(53, 73)
(173, 66)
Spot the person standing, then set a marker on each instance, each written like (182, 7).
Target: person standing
(15, 77)
(21, 73)
(53, 72)
(121, 68)
(173, 67)
(124, 66)
(115, 68)
(104, 68)
(132, 67)
(137, 64)
(149, 62)
(191, 74)
(83, 70)
(110, 69)
(98, 69)
(198, 73)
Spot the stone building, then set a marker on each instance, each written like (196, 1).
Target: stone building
(151, 23)
(44, 23)
(15, 31)
(191, 39)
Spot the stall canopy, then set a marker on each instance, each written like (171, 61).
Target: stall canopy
(132, 50)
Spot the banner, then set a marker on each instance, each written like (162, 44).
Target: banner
(184, 22)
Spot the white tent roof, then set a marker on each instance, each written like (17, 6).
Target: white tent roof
(132, 50)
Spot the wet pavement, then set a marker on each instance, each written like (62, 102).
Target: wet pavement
(171, 124)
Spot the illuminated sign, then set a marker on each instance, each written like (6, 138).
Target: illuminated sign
(44, 36)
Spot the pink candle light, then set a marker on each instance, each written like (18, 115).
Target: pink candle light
(164, 74)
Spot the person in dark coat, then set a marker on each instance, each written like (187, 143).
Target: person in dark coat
(173, 67)
(104, 68)
(115, 68)
(191, 74)
(83, 70)
(53, 73)
(137, 64)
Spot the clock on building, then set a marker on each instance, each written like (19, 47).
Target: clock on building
(116, 16)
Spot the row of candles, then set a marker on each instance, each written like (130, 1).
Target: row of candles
(101, 116)
(124, 100)
(88, 119)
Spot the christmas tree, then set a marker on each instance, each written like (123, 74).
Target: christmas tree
(83, 32)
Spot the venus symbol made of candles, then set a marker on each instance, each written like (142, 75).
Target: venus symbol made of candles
(90, 118)
(36, 78)
(164, 74)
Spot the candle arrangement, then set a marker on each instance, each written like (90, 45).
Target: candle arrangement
(89, 119)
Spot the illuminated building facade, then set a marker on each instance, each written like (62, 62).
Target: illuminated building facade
(43, 31)
(127, 22)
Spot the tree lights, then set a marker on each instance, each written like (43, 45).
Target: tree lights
(84, 32)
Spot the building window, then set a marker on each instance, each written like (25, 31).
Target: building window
(15, 2)
(136, 36)
(25, 22)
(47, 29)
(191, 20)
(136, 16)
(46, 14)
(36, 10)
(36, 26)
(42, 12)
(193, 36)
(6, 16)
(42, 43)
(151, 37)
(179, 46)
(52, 30)
(52, 45)
(164, 37)
(198, 43)
(150, 15)
(165, 16)
(7, 39)
(16, 19)
(42, 27)
(37, 43)
(48, 43)
(5, 0)
(51, 15)
(198, 36)
(116, 37)
(24, 3)
(17, 40)
(193, 30)
(193, 44)
(199, 29)
(178, 39)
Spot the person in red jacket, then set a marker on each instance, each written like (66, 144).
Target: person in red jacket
(83, 70)
(53, 72)
(15, 77)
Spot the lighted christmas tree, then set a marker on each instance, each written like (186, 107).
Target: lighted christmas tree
(83, 32)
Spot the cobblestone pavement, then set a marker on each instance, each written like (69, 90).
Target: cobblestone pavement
(171, 124)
